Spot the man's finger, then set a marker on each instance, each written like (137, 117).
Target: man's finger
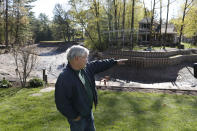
(123, 60)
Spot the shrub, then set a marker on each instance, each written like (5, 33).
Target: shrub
(36, 82)
(5, 84)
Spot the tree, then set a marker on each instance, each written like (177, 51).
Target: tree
(190, 28)
(97, 14)
(132, 24)
(109, 14)
(41, 28)
(101, 17)
(185, 11)
(166, 22)
(17, 22)
(115, 17)
(25, 60)
(160, 21)
(81, 16)
(93, 19)
(6, 23)
(22, 29)
(63, 21)
(108, 11)
(2, 29)
(152, 22)
(123, 21)
(15, 14)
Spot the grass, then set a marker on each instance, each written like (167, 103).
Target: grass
(51, 42)
(117, 111)
(136, 47)
(188, 45)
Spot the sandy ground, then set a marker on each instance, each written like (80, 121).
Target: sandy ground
(51, 57)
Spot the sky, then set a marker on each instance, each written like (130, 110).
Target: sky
(174, 9)
(45, 6)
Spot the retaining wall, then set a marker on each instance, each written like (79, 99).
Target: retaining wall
(153, 59)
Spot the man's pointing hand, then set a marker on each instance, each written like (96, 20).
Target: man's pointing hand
(121, 61)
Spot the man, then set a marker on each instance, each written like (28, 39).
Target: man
(75, 90)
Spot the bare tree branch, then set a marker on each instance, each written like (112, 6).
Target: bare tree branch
(25, 59)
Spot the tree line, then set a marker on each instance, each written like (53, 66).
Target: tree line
(91, 20)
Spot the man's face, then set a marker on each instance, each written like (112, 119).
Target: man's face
(82, 61)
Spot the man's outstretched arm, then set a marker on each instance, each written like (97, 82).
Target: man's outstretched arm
(102, 65)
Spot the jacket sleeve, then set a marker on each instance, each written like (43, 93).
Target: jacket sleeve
(101, 65)
(63, 98)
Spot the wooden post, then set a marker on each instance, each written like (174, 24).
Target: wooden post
(44, 75)
(195, 70)
(46, 80)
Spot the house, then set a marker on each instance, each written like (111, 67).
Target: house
(144, 32)
(171, 33)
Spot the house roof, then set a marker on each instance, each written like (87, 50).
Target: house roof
(147, 20)
(144, 20)
(170, 29)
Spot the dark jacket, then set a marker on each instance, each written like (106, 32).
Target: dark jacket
(70, 96)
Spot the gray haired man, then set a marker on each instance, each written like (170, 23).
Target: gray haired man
(75, 90)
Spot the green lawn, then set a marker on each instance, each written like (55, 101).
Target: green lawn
(51, 42)
(136, 48)
(117, 111)
(188, 45)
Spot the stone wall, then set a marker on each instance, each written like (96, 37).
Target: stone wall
(153, 59)
(148, 54)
